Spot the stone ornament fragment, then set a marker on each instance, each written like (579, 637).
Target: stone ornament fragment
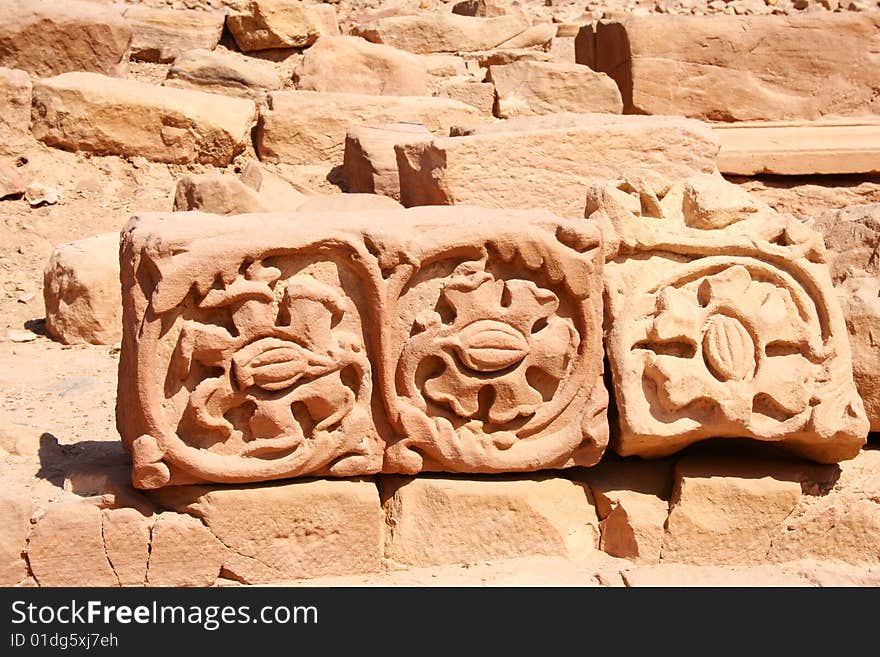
(267, 346)
(721, 321)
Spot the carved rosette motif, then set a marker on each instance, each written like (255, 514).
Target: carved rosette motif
(500, 368)
(723, 323)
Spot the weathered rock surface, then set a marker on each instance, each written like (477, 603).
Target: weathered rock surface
(105, 115)
(45, 38)
(81, 291)
(548, 161)
(727, 511)
(476, 94)
(852, 236)
(433, 520)
(839, 521)
(347, 64)
(535, 36)
(527, 88)
(499, 57)
(223, 72)
(66, 547)
(307, 127)
(439, 32)
(740, 68)
(160, 35)
(799, 148)
(15, 516)
(183, 552)
(444, 65)
(267, 24)
(370, 162)
(351, 202)
(15, 119)
(289, 530)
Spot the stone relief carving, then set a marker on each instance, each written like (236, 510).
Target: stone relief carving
(501, 363)
(456, 339)
(722, 322)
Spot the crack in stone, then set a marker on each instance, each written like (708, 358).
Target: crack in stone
(107, 554)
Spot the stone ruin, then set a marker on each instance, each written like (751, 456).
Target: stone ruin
(503, 340)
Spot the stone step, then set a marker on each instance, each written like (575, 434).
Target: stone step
(792, 148)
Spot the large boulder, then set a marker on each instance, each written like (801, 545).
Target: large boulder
(105, 115)
(81, 291)
(15, 119)
(852, 236)
(159, 35)
(348, 64)
(740, 68)
(527, 88)
(268, 24)
(308, 127)
(548, 161)
(44, 37)
(440, 32)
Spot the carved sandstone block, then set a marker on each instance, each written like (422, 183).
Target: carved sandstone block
(259, 347)
(722, 322)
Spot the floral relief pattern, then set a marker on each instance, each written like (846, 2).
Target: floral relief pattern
(283, 364)
(501, 329)
(730, 339)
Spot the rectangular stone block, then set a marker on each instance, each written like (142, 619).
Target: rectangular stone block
(721, 322)
(308, 127)
(548, 161)
(369, 164)
(285, 531)
(15, 120)
(434, 520)
(740, 68)
(110, 116)
(259, 347)
(160, 35)
(799, 148)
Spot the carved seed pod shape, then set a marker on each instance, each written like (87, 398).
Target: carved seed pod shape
(269, 363)
(489, 345)
(728, 349)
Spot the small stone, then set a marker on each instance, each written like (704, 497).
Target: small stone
(39, 194)
(11, 183)
(81, 291)
(14, 335)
